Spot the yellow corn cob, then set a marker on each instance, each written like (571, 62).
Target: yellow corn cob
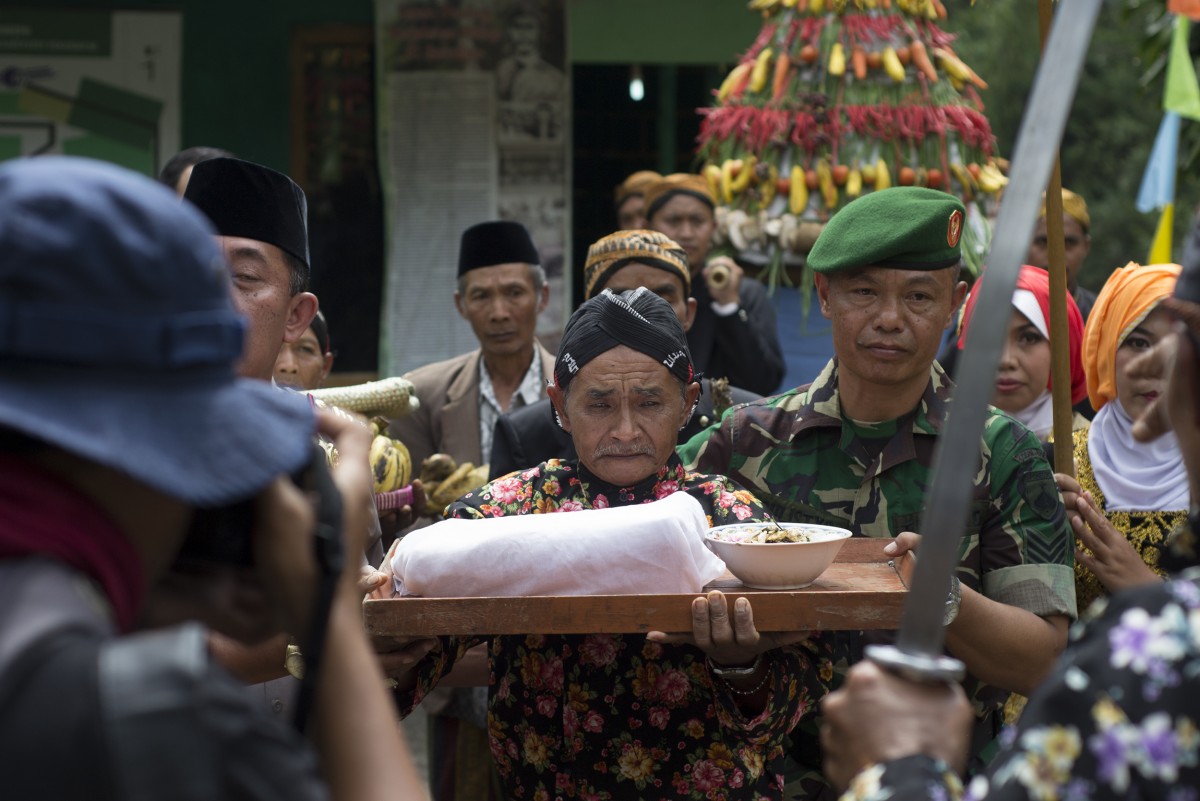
(390, 397)
(837, 59)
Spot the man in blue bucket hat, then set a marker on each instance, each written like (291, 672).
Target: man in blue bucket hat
(120, 415)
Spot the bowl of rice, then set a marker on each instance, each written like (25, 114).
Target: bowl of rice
(776, 556)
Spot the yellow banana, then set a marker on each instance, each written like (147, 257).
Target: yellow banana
(891, 63)
(758, 75)
(768, 188)
(816, 6)
(854, 182)
(991, 180)
(963, 176)
(712, 174)
(733, 80)
(883, 178)
(727, 180)
(465, 478)
(742, 180)
(391, 464)
(435, 468)
(829, 192)
(797, 191)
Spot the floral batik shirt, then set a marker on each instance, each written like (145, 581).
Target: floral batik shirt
(610, 716)
(1119, 719)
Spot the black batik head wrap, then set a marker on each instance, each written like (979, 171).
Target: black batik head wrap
(638, 319)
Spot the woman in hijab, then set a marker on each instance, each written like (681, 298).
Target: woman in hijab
(1140, 490)
(1023, 382)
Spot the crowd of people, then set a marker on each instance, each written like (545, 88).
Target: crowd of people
(184, 564)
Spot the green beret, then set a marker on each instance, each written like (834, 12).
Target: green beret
(905, 227)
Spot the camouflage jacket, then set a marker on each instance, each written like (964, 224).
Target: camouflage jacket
(807, 463)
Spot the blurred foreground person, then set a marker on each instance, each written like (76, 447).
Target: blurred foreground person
(1117, 719)
(120, 416)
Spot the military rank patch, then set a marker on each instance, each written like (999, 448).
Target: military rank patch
(1039, 491)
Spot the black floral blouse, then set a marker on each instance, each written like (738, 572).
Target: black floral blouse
(618, 716)
(1119, 719)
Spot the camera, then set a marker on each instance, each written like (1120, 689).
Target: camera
(223, 534)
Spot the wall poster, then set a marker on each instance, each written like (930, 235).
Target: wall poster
(103, 84)
(473, 107)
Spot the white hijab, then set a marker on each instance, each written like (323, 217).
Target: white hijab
(1038, 416)
(1135, 476)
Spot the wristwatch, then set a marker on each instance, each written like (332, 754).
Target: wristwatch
(735, 672)
(953, 599)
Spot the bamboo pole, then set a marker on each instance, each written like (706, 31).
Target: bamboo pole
(1060, 341)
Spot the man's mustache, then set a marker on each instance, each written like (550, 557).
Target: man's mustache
(636, 449)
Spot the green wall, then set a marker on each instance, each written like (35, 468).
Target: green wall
(236, 85)
(659, 31)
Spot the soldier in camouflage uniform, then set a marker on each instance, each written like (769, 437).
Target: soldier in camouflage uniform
(855, 449)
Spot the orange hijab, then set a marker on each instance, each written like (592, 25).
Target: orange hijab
(1130, 294)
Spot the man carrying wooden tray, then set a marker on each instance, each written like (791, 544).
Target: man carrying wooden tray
(632, 716)
(855, 448)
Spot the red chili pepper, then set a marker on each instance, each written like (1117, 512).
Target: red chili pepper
(793, 32)
(764, 38)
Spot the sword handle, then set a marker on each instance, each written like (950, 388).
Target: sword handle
(917, 667)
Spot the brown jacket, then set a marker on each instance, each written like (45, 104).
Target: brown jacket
(448, 420)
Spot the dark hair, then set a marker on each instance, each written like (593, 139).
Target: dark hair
(190, 157)
(320, 329)
(297, 273)
(18, 443)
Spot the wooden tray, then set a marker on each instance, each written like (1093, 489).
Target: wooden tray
(858, 591)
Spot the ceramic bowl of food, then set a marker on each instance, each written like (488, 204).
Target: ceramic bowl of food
(776, 556)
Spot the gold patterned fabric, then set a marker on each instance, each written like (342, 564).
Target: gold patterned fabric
(679, 183)
(614, 251)
(634, 185)
(1074, 207)
(1145, 530)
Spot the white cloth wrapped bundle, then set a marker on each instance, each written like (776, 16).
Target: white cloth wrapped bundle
(648, 548)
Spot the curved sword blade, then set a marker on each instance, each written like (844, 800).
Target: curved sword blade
(918, 649)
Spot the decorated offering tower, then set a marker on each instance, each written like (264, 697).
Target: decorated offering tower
(834, 99)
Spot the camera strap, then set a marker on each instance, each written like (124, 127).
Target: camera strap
(327, 544)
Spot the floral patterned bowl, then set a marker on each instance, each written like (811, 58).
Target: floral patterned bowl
(776, 565)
